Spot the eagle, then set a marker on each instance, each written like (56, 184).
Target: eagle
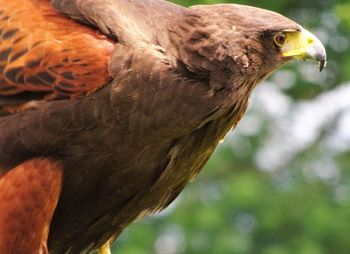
(110, 107)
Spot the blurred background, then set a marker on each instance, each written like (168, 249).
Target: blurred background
(280, 182)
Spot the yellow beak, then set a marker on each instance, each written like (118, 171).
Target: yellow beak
(304, 45)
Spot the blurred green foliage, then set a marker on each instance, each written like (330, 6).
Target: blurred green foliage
(248, 200)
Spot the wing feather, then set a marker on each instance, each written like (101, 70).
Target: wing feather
(43, 51)
(128, 21)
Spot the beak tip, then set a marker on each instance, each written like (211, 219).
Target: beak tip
(322, 64)
(315, 50)
(321, 56)
(318, 54)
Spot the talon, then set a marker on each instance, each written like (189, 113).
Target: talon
(105, 248)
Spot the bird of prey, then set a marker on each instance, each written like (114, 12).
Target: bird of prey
(110, 107)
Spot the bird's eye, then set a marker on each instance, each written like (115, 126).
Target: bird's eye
(280, 39)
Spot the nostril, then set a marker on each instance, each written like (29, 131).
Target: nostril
(310, 40)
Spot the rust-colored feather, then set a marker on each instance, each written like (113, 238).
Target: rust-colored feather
(28, 198)
(41, 50)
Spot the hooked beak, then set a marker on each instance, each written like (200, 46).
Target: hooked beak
(303, 45)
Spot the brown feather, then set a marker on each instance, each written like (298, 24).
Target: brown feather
(181, 80)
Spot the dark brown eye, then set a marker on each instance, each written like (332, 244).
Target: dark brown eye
(280, 39)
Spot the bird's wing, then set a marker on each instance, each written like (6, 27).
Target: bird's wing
(148, 98)
(44, 51)
(128, 21)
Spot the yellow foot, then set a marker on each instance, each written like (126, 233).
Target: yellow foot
(105, 248)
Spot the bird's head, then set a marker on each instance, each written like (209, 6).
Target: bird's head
(237, 40)
(300, 44)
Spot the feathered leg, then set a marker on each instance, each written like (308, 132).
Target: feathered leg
(28, 198)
